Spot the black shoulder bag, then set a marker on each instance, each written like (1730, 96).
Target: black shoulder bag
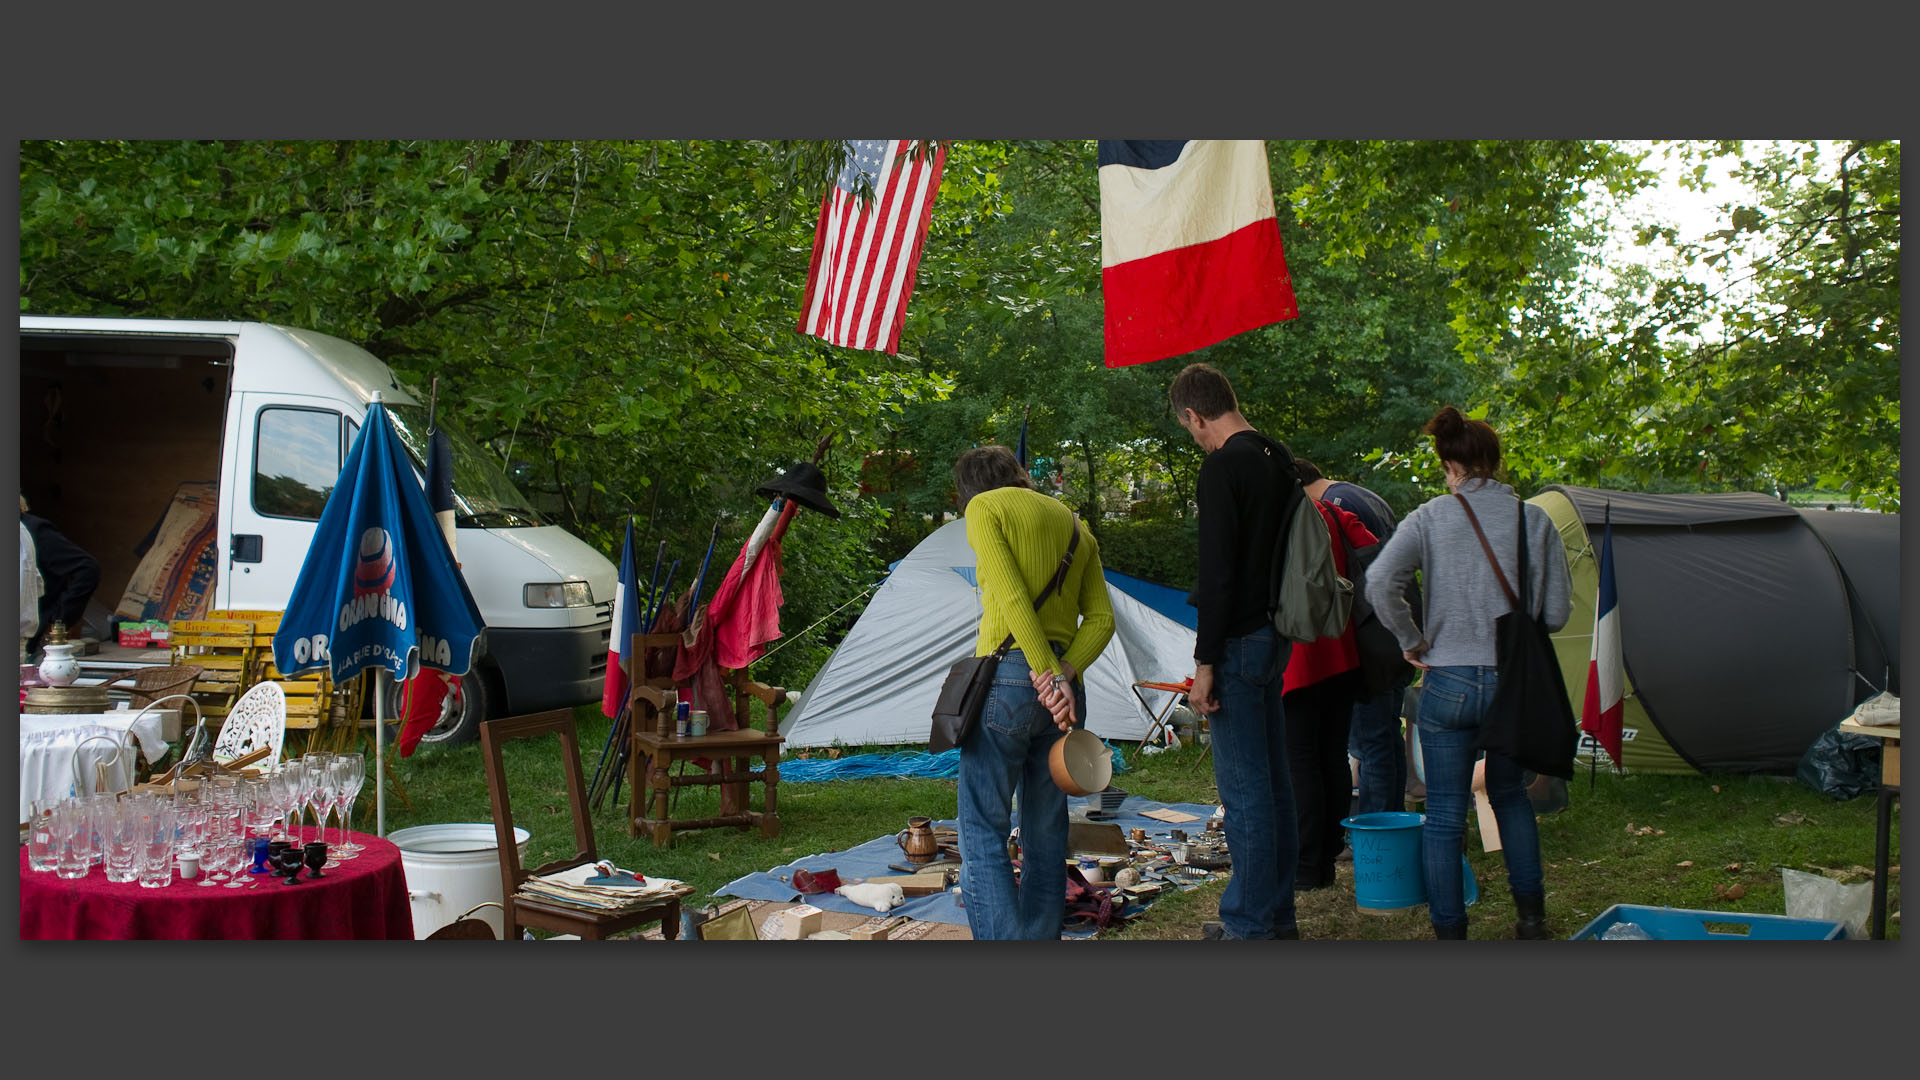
(964, 693)
(1529, 719)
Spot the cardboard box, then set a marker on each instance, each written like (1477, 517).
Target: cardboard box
(793, 924)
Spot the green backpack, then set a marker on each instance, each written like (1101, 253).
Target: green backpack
(1310, 598)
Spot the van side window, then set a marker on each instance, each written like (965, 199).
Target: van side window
(296, 459)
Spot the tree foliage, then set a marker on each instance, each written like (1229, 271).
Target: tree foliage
(617, 321)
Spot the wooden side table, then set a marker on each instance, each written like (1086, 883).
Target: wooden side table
(1883, 824)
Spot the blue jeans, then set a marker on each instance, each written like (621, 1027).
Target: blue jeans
(1452, 701)
(1006, 752)
(1250, 769)
(1376, 742)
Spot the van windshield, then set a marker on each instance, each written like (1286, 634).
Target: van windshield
(483, 497)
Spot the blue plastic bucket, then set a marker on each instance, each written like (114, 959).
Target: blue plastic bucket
(1387, 874)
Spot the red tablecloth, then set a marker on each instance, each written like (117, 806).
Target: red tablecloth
(362, 898)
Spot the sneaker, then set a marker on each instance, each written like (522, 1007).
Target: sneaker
(1346, 854)
(1212, 931)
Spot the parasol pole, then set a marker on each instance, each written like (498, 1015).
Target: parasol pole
(379, 741)
(379, 734)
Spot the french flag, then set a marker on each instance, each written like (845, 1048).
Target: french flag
(626, 623)
(1601, 716)
(1189, 246)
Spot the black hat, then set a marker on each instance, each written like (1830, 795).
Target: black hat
(804, 484)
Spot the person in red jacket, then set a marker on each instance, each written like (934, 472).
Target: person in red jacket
(1319, 690)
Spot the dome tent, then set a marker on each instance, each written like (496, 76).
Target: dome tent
(879, 685)
(1738, 635)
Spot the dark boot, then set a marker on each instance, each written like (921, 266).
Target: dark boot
(1450, 933)
(1532, 924)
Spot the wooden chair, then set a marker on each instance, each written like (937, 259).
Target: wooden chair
(655, 749)
(521, 912)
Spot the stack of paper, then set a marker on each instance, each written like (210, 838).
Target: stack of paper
(570, 888)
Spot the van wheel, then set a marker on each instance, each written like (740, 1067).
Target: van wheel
(478, 694)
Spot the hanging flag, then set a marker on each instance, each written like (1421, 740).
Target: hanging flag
(1603, 712)
(626, 623)
(865, 252)
(430, 697)
(1189, 246)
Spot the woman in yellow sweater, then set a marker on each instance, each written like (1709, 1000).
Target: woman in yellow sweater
(1018, 536)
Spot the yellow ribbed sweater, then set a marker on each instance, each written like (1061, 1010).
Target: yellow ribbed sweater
(1018, 536)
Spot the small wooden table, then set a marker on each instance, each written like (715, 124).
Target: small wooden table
(1883, 825)
(653, 780)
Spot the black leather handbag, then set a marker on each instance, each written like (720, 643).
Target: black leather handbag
(1530, 719)
(964, 694)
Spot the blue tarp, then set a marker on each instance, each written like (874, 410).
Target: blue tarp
(871, 858)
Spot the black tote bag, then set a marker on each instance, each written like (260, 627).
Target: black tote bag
(964, 694)
(1530, 719)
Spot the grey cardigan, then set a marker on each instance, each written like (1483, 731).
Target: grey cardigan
(1463, 597)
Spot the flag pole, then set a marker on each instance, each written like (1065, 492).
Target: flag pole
(1593, 753)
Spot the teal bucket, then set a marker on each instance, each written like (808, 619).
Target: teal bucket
(1387, 874)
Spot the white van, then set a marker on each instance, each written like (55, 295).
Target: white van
(116, 414)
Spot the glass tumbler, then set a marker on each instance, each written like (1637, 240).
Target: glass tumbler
(154, 849)
(73, 832)
(41, 852)
(121, 836)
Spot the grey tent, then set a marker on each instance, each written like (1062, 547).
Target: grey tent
(879, 686)
(1748, 627)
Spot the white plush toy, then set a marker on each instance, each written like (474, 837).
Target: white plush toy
(880, 897)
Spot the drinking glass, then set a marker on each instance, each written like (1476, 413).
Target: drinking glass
(122, 834)
(321, 793)
(153, 852)
(350, 771)
(296, 795)
(42, 853)
(190, 826)
(73, 829)
(239, 856)
(99, 808)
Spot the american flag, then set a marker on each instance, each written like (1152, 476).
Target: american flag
(865, 253)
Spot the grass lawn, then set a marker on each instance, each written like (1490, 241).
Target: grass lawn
(1706, 842)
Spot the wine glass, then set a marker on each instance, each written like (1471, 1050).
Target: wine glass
(239, 858)
(321, 794)
(315, 763)
(274, 804)
(296, 771)
(349, 772)
(216, 859)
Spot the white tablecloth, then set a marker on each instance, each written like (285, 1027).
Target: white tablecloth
(48, 743)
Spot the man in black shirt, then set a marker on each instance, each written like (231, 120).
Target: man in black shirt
(1239, 658)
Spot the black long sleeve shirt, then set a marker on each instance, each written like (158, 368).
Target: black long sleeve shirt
(1241, 493)
(71, 576)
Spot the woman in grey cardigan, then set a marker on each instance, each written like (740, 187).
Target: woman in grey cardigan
(1463, 598)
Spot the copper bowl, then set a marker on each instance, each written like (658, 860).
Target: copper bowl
(1081, 763)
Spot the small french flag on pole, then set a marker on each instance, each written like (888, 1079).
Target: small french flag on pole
(1189, 246)
(1603, 714)
(626, 623)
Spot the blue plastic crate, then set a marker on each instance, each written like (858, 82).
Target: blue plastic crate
(1684, 924)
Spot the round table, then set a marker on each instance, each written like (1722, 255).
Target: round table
(361, 899)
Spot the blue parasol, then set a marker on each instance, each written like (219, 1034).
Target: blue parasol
(379, 588)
